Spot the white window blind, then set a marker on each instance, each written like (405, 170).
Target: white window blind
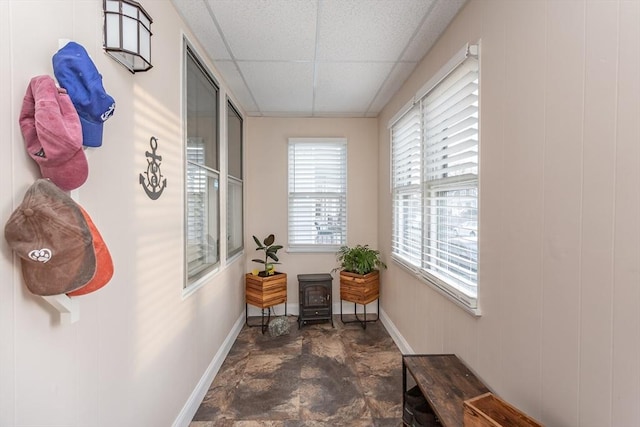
(202, 215)
(196, 207)
(435, 183)
(406, 145)
(450, 117)
(317, 193)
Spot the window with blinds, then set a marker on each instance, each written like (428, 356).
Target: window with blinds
(202, 198)
(317, 193)
(235, 183)
(435, 183)
(406, 176)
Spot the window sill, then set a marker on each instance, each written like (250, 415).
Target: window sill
(457, 300)
(234, 257)
(313, 249)
(195, 286)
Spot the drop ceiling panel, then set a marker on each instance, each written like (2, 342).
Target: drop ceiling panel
(443, 12)
(397, 77)
(351, 85)
(365, 30)
(350, 56)
(268, 30)
(197, 16)
(280, 87)
(231, 76)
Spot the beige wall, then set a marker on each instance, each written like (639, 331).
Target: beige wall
(266, 189)
(139, 349)
(559, 235)
(560, 223)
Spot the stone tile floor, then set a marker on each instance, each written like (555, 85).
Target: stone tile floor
(315, 376)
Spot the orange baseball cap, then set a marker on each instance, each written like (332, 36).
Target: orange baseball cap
(104, 263)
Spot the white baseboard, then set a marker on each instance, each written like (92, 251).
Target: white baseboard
(276, 310)
(402, 344)
(348, 308)
(193, 403)
(293, 309)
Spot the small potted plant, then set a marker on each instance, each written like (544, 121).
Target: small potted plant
(267, 287)
(359, 277)
(359, 259)
(270, 251)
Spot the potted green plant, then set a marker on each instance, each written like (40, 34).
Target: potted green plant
(359, 277)
(359, 259)
(270, 251)
(267, 287)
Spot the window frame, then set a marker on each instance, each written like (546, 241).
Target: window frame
(454, 273)
(233, 180)
(194, 281)
(327, 225)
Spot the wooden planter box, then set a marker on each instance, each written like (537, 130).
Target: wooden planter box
(267, 291)
(361, 289)
(488, 410)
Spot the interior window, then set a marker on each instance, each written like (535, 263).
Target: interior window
(317, 193)
(435, 183)
(202, 171)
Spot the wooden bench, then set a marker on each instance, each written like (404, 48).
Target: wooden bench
(456, 396)
(445, 382)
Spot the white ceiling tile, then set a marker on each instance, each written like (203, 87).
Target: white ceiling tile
(352, 45)
(197, 16)
(438, 19)
(348, 87)
(365, 30)
(397, 77)
(268, 30)
(280, 86)
(232, 78)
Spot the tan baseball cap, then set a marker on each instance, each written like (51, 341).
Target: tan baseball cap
(52, 238)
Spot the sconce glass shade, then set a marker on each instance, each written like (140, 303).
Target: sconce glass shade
(127, 34)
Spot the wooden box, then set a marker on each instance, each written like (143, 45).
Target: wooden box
(361, 289)
(267, 291)
(488, 410)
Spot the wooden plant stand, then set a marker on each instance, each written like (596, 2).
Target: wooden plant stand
(265, 292)
(360, 289)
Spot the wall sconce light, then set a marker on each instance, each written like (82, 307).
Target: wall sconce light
(127, 34)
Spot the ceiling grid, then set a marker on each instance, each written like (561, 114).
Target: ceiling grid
(316, 58)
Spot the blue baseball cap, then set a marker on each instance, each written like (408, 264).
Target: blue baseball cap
(77, 73)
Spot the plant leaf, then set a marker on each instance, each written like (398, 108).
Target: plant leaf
(272, 256)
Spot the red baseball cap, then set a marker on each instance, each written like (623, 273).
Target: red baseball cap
(52, 133)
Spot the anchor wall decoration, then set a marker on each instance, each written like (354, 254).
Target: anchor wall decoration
(152, 180)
